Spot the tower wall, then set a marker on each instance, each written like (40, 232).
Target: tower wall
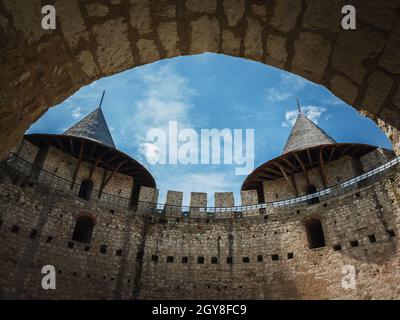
(26, 151)
(63, 165)
(376, 158)
(336, 171)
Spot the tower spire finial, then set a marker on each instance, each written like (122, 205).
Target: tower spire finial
(298, 105)
(102, 97)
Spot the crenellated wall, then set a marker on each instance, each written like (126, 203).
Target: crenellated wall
(260, 257)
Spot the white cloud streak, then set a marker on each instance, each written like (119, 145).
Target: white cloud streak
(288, 85)
(313, 113)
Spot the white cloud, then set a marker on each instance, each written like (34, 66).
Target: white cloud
(293, 81)
(76, 112)
(167, 97)
(313, 113)
(200, 181)
(278, 95)
(288, 85)
(150, 151)
(290, 117)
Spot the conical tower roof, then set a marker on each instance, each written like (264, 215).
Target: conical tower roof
(90, 140)
(93, 126)
(306, 134)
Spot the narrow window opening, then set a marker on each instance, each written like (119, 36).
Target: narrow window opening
(83, 229)
(103, 248)
(354, 243)
(391, 233)
(372, 238)
(33, 234)
(337, 247)
(315, 233)
(85, 190)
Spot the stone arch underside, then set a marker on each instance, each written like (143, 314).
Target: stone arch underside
(40, 68)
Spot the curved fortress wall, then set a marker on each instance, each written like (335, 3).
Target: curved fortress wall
(133, 255)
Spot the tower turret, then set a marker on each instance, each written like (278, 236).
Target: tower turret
(309, 162)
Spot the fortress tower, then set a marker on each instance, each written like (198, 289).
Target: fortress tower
(312, 161)
(86, 160)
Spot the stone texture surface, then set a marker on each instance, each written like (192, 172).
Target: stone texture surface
(344, 88)
(276, 51)
(253, 40)
(224, 199)
(206, 6)
(234, 11)
(311, 45)
(72, 23)
(391, 55)
(132, 257)
(97, 10)
(379, 85)
(352, 48)
(205, 35)
(335, 171)
(113, 50)
(285, 15)
(376, 158)
(323, 15)
(249, 197)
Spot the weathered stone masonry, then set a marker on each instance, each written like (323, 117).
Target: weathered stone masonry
(256, 254)
(270, 255)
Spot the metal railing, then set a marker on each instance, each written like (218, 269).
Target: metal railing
(46, 178)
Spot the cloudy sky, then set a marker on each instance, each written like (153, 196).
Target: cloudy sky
(207, 91)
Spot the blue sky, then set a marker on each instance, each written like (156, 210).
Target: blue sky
(204, 92)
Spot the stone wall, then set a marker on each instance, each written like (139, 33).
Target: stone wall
(198, 200)
(83, 272)
(262, 257)
(335, 171)
(40, 68)
(26, 151)
(63, 165)
(376, 158)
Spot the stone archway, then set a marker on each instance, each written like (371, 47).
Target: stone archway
(40, 68)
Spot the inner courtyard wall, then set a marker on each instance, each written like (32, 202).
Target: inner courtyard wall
(145, 258)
